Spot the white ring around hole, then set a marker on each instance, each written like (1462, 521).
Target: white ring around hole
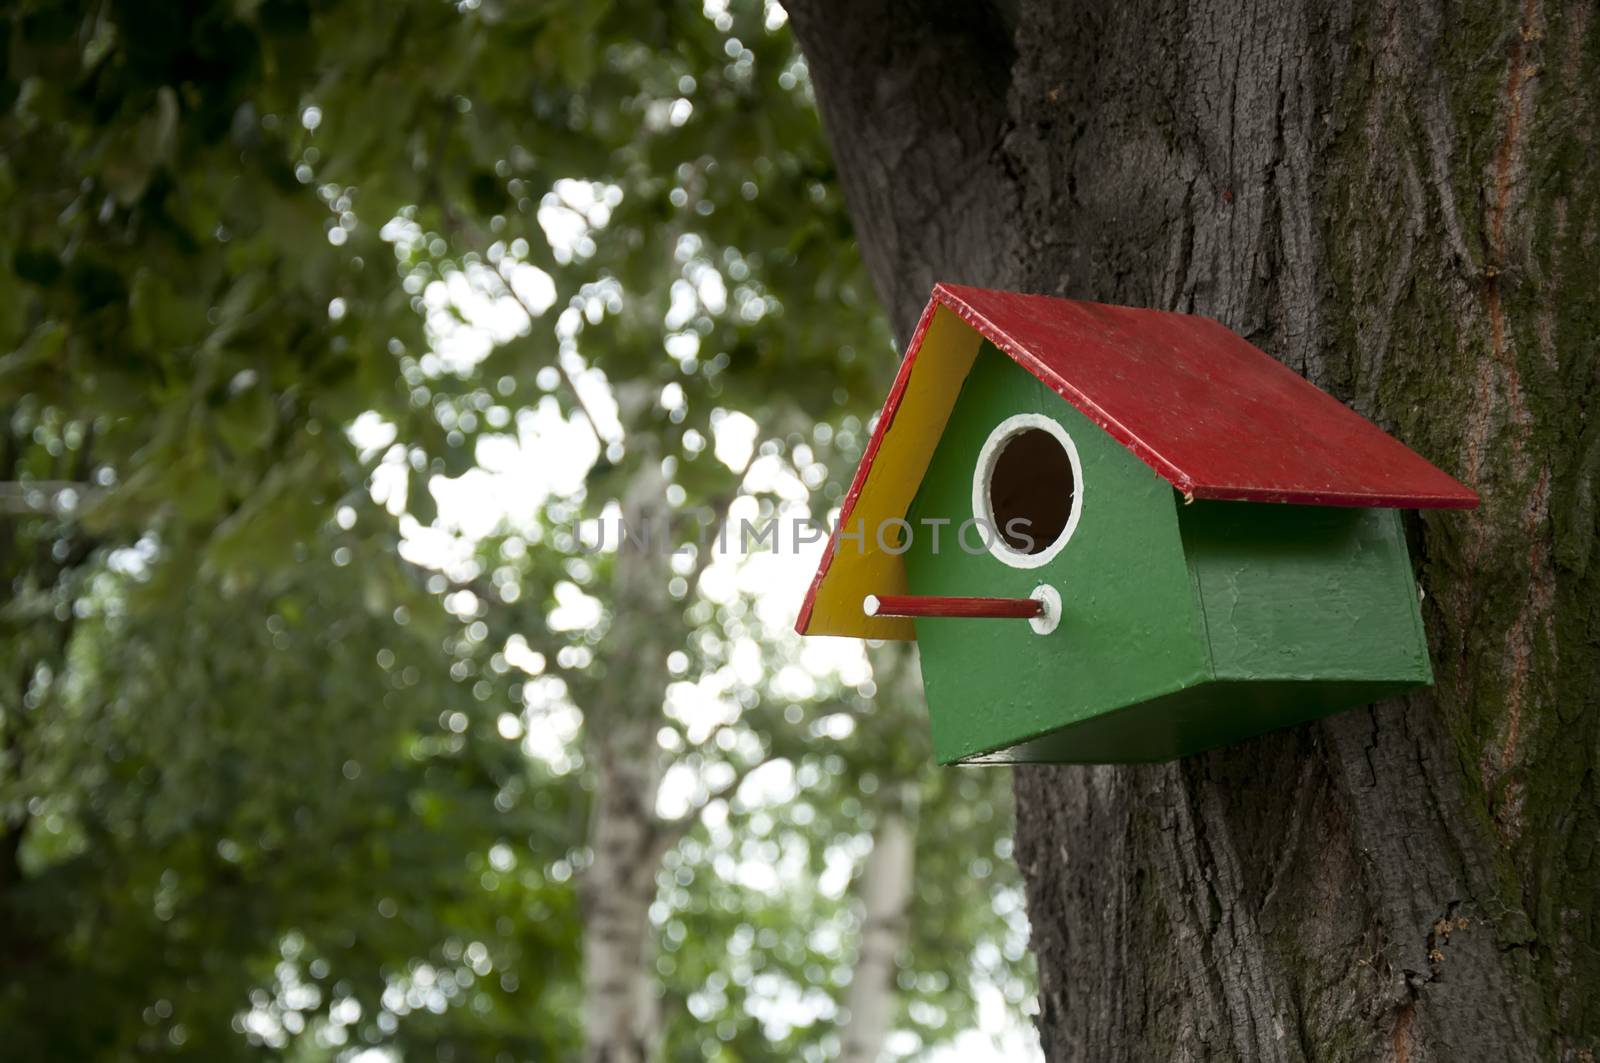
(1050, 617)
(989, 456)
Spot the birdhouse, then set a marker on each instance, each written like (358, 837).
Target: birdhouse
(1123, 535)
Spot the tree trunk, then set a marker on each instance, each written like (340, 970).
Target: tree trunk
(620, 1014)
(1403, 204)
(621, 1017)
(885, 891)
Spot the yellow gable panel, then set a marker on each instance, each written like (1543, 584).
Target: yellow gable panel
(936, 364)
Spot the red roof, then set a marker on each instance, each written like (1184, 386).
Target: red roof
(1207, 411)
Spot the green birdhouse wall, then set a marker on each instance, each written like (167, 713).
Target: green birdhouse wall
(1183, 626)
(1132, 535)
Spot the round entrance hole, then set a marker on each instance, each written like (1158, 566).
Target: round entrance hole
(1028, 490)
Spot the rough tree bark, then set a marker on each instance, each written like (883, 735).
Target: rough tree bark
(1401, 202)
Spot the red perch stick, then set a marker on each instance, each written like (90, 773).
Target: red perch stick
(933, 605)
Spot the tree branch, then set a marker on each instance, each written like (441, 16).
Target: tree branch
(668, 832)
(719, 520)
(566, 377)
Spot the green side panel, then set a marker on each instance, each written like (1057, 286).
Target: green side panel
(1131, 628)
(1306, 592)
(1192, 720)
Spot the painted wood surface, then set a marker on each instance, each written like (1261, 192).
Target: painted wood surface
(1196, 403)
(891, 469)
(1130, 629)
(1183, 626)
(1212, 414)
(932, 605)
(1305, 592)
(1217, 713)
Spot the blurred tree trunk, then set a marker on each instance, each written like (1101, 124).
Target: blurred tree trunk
(626, 840)
(885, 893)
(1402, 203)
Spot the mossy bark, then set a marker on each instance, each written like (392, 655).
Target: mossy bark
(1401, 202)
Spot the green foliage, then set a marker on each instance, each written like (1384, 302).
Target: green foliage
(193, 822)
(260, 777)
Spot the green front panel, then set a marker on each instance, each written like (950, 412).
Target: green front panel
(1184, 626)
(1202, 717)
(1306, 592)
(1131, 629)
